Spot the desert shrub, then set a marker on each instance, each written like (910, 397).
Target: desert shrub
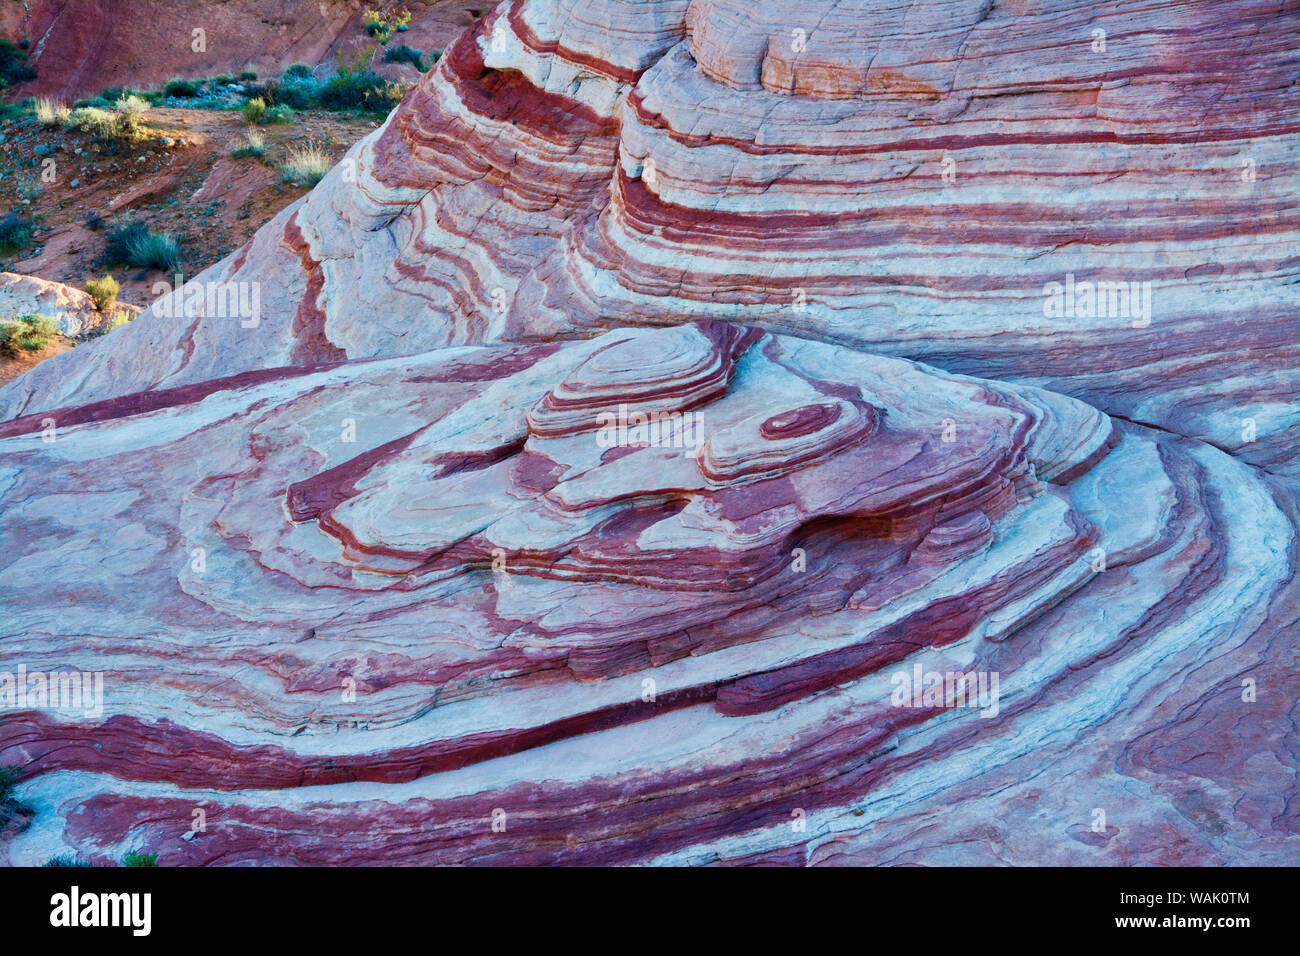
(14, 67)
(120, 238)
(103, 292)
(306, 165)
(251, 145)
(100, 123)
(298, 70)
(94, 221)
(405, 54)
(65, 861)
(140, 859)
(254, 110)
(279, 113)
(30, 188)
(29, 333)
(15, 231)
(130, 105)
(222, 79)
(362, 90)
(300, 93)
(381, 26)
(248, 75)
(154, 250)
(51, 112)
(184, 89)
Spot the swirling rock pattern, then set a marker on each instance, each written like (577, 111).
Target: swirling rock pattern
(538, 626)
(578, 497)
(906, 177)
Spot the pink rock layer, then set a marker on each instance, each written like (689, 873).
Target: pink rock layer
(930, 180)
(378, 612)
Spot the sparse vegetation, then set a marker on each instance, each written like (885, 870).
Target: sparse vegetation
(181, 89)
(14, 67)
(254, 110)
(51, 113)
(140, 859)
(154, 250)
(356, 86)
(252, 145)
(30, 188)
(134, 243)
(298, 70)
(15, 232)
(306, 165)
(248, 76)
(28, 333)
(65, 861)
(103, 292)
(406, 54)
(382, 26)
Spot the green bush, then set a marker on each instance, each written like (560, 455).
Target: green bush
(15, 232)
(185, 89)
(140, 859)
(30, 333)
(254, 110)
(65, 861)
(154, 250)
(14, 67)
(298, 70)
(248, 75)
(405, 54)
(121, 237)
(100, 123)
(300, 93)
(103, 292)
(381, 26)
(279, 113)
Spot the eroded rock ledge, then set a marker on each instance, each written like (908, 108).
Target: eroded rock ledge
(639, 651)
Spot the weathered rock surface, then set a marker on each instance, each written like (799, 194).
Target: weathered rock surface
(369, 580)
(72, 308)
(643, 652)
(571, 166)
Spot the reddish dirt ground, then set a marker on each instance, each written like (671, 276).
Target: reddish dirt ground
(13, 364)
(193, 188)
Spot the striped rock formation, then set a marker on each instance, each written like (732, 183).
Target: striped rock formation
(404, 610)
(925, 179)
(558, 481)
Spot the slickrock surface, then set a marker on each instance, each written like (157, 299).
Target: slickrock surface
(645, 652)
(576, 494)
(910, 179)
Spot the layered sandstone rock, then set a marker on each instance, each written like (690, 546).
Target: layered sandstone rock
(915, 179)
(400, 596)
(560, 502)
